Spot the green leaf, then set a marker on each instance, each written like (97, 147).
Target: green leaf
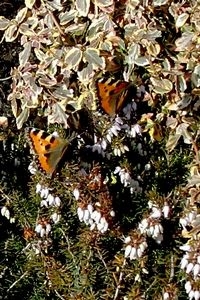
(25, 54)
(86, 73)
(91, 55)
(133, 54)
(142, 61)
(83, 7)
(183, 130)
(62, 92)
(153, 49)
(41, 56)
(3, 23)
(11, 33)
(47, 81)
(29, 3)
(25, 29)
(58, 115)
(161, 86)
(184, 42)
(67, 17)
(23, 117)
(172, 141)
(180, 21)
(182, 83)
(73, 58)
(21, 15)
(14, 105)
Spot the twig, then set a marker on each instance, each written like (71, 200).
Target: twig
(172, 268)
(14, 283)
(152, 284)
(103, 261)
(5, 78)
(56, 23)
(59, 296)
(67, 240)
(119, 281)
(4, 196)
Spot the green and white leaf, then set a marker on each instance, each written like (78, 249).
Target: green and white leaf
(73, 58)
(172, 141)
(142, 61)
(58, 115)
(67, 16)
(11, 33)
(21, 15)
(29, 3)
(161, 86)
(180, 21)
(23, 117)
(184, 42)
(86, 74)
(83, 7)
(91, 55)
(4, 23)
(25, 54)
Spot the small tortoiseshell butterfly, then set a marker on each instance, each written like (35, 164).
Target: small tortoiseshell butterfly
(49, 149)
(112, 95)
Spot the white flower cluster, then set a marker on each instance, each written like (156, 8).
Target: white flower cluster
(157, 212)
(127, 181)
(134, 130)
(94, 218)
(151, 225)
(47, 198)
(152, 228)
(190, 262)
(32, 168)
(99, 146)
(120, 149)
(43, 229)
(134, 249)
(192, 293)
(191, 218)
(6, 213)
(129, 109)
(114, 129)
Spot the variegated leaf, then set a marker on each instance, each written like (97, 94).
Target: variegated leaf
(91, 55)
(4, 23)
(83, 7)
(73, 58)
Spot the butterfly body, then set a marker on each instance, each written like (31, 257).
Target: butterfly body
(48, 148)
(112, 95)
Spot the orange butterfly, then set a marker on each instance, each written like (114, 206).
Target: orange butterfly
(112, 95)
(49, 149)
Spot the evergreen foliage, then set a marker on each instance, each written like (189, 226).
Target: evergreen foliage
(119, 218)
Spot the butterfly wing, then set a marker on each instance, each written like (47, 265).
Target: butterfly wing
(49, 149)
(112, 95)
